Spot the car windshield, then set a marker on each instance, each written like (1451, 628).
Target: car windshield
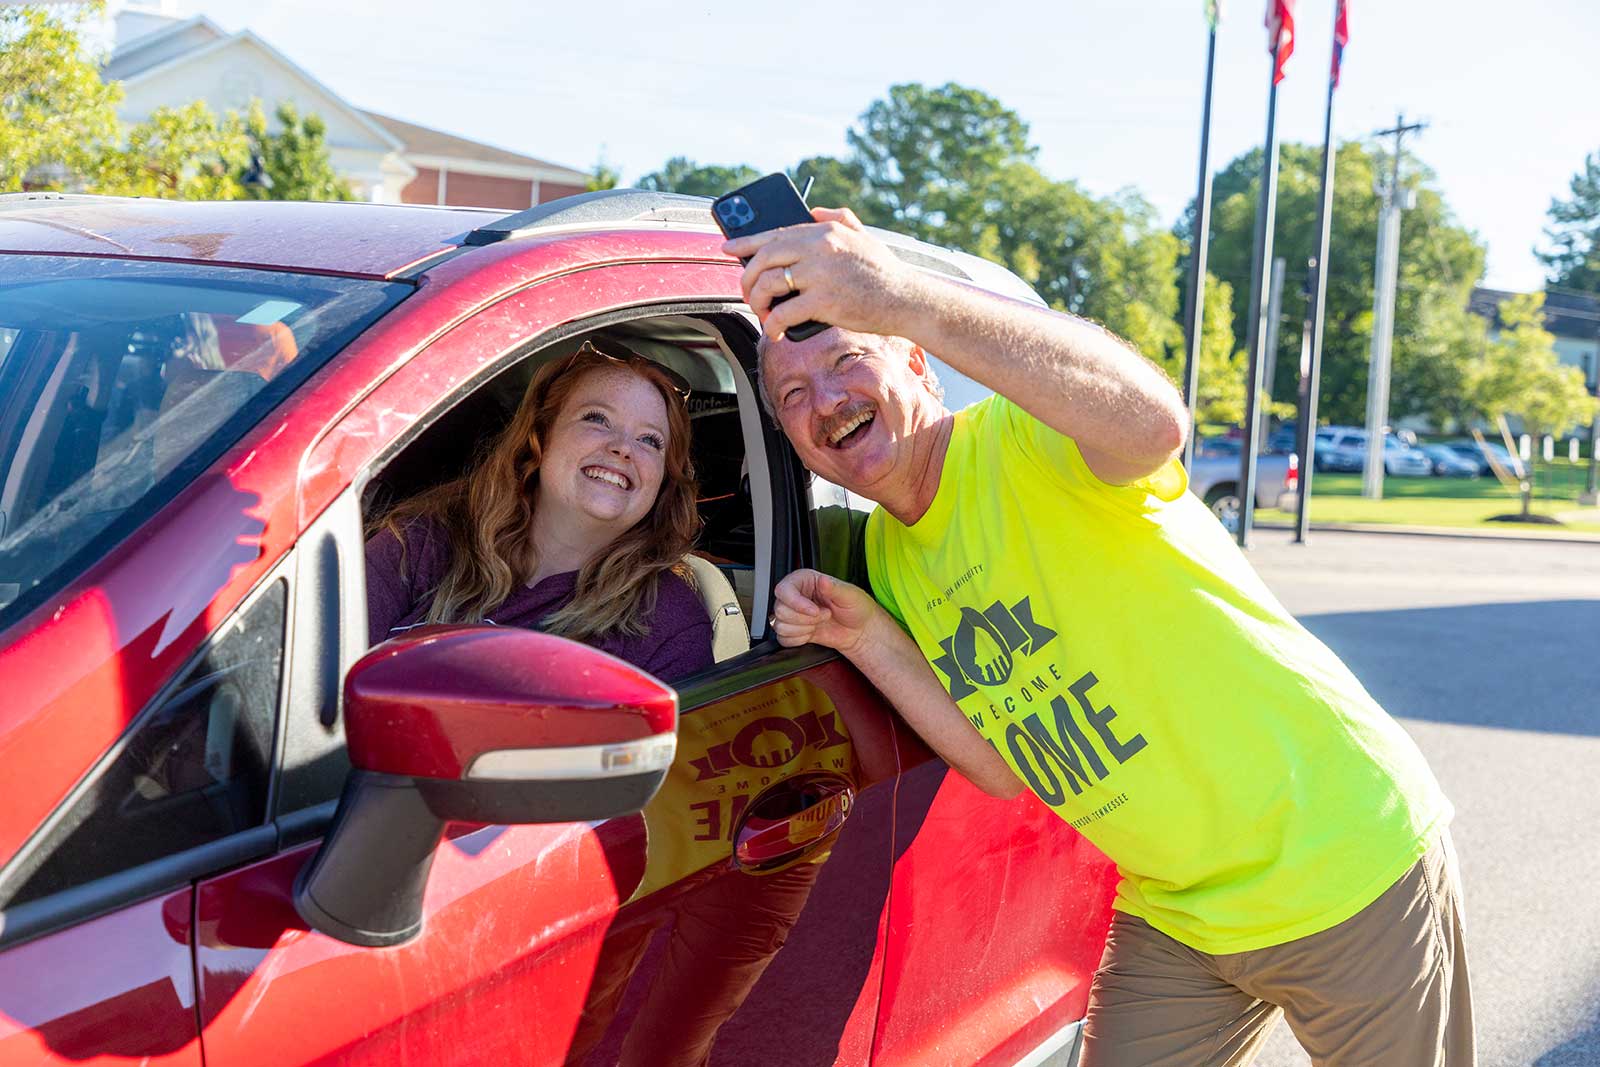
(122, 380)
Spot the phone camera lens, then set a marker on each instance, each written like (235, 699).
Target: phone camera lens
(736, 211)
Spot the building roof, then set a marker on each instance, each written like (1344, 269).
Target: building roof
(426, 141)
(1567, 312)
(350, 238)
(144, 39)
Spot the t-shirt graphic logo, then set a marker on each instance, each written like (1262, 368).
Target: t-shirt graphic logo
(980, 651)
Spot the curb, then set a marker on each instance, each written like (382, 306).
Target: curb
(1573, 538)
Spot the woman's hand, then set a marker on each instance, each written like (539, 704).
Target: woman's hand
(812, 608)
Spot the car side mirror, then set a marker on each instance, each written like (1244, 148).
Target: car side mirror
(480, 724)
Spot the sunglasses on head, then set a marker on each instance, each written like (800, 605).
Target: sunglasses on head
(680, 384)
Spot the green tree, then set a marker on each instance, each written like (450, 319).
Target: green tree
(55, 112)
(59, 128)
(1574, 232)
(928, 155)
(295, 159)
(1439, 263)
(1521, 376)
(1219, 395)
(182, 153)
(834, 182)
(682, 175)
(1104, 259)
(605, 176)
(1433, 375)
(953, 166)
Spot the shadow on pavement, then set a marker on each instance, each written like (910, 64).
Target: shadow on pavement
(1523, 666)
(1582, 1050)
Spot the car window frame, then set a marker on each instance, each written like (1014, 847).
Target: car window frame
(315, 700)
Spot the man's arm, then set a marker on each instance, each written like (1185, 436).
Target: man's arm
(811, 607)
(1076, 378)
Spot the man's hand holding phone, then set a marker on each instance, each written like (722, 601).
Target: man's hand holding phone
(807, 269)
(841, 275)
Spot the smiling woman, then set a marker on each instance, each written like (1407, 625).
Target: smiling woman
(575, 522)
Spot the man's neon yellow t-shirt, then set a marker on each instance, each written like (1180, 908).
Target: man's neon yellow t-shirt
(1114, 646)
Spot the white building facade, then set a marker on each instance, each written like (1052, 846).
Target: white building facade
(165, 60)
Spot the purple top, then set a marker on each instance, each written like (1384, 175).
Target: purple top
(677, 639)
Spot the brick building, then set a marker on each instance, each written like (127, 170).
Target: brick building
(454, 170)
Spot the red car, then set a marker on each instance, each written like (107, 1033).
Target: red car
(233, 835)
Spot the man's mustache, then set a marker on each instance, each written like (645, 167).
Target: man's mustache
(831, 424)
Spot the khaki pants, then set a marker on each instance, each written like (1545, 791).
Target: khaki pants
(1387, 988)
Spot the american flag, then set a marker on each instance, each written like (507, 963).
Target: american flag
(1341, 37)
(1280, 34)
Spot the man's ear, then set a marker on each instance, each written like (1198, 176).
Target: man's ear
(918, 359)
(918, 362)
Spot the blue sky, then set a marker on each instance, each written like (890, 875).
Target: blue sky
(1110, 88)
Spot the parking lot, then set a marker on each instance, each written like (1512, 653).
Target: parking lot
(1489, 652)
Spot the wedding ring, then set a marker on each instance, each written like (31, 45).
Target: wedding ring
(788, 279)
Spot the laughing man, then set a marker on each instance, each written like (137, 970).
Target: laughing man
(1053, 608)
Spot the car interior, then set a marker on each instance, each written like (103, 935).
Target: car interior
(735, 507)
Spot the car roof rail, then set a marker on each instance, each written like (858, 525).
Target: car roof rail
(611, 207)
(27, 199)
(605, 206)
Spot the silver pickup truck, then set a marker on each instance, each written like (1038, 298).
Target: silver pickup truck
(1214, 478)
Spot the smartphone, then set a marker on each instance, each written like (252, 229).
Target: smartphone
(765, 204)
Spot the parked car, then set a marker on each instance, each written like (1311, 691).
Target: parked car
(1214, 478)
(1479, 456)
(1340, 449)
(201, 405)
(1448, 463)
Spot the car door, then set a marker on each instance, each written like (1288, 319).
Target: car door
(740, 916)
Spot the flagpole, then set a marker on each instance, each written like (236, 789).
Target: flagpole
(1311, 375)
(1194, 312)
(1266, 211)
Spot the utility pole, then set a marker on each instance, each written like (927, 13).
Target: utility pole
(1385, 273)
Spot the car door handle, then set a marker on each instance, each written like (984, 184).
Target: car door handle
(791, 820)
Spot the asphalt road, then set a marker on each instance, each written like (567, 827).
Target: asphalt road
(1489, 653)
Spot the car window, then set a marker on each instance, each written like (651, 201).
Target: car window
(841, 519)
(194, 767)
(121, 380)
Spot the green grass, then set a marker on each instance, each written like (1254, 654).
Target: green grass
(1456, 502)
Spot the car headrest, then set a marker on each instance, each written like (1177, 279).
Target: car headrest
(730, 634)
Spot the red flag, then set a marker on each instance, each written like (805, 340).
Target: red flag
(1341, 37)
(1280, 34)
